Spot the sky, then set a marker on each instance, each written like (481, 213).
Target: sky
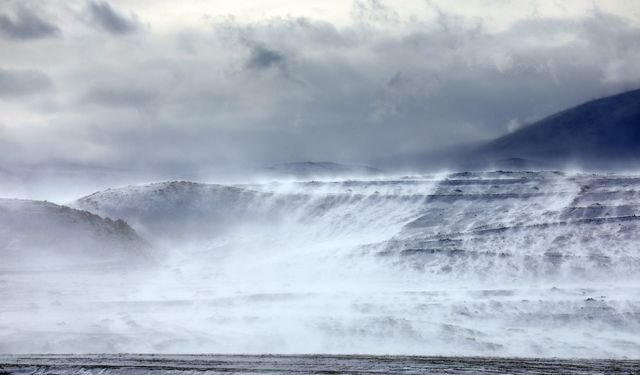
(182, 87)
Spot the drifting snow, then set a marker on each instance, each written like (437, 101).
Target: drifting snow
(491, 264)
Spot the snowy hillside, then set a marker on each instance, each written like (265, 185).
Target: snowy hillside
(475, 263)
(541, 225)
(177, 210)
(41, 234)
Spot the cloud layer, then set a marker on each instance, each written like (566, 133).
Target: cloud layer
(229, 92)
(111, 20)
(15, 83)
(25, 24)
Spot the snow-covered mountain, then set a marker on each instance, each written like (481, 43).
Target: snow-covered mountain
(40, 234)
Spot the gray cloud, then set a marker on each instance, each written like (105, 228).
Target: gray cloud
(26, 25)
(262, 58)
(16, 83)
(110, 20)
(119, 97)
(291, 89)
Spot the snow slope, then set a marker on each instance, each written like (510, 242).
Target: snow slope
(177, 211)
(41, 234)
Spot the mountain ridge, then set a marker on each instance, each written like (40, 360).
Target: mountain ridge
(601, 132)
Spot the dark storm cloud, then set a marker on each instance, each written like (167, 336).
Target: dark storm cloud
(16, 83)
(25, 25)
(371, 91)
(110, 20)
(262, 58)
(295, 89)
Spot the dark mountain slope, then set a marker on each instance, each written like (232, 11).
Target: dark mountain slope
(599, 133)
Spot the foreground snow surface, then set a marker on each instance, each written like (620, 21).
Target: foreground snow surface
(312, 364)
(526, 264)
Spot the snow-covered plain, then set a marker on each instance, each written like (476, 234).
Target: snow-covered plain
(535, 264)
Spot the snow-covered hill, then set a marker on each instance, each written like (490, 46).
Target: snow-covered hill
(537, 263)
(38, 234)
(541, 225)
(178, 211)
